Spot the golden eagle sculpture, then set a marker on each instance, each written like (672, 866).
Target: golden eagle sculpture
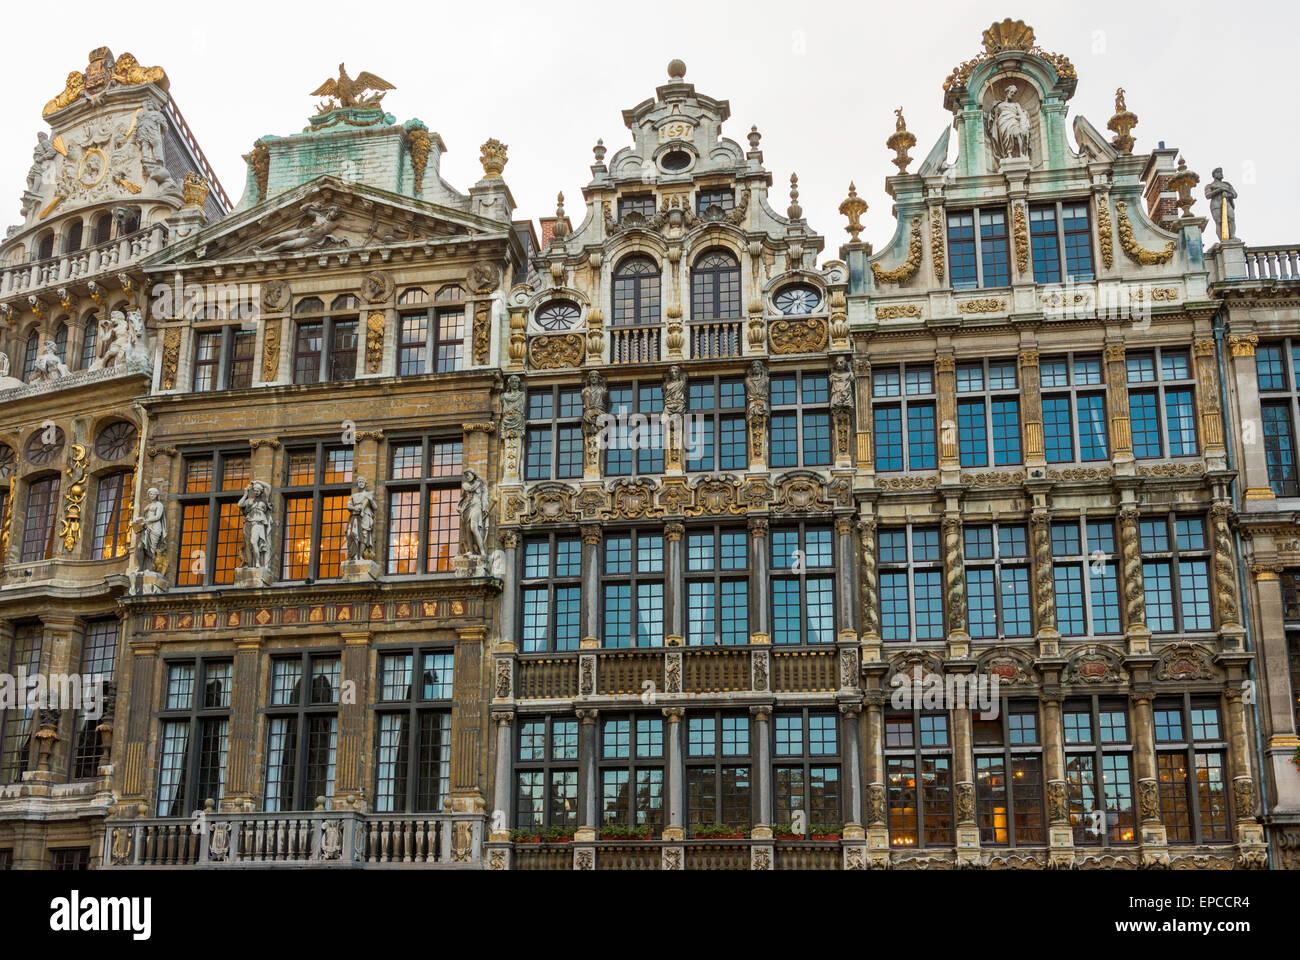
(346, 92)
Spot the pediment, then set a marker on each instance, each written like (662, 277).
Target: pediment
(326, 216)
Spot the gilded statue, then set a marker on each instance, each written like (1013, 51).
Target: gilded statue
(346, 92)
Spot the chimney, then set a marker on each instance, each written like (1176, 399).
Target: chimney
(1159, 198)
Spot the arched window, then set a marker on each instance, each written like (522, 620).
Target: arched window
(74, 238)
(636, 292)
(715, 287)
(29, 353)
(45, 247)
(112, 519)
(61, 342)
(450, 293)
(558, 315)
(103, 228)
(88, 340)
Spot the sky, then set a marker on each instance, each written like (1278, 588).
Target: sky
(820, 80)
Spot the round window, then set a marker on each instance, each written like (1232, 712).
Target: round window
(558, 315)
(797, 299)
(115, 440)
(675, 160)
(43, 447)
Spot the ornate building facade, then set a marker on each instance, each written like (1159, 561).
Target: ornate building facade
(660, 544)
(117, 177)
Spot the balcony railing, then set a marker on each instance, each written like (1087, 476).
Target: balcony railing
(318, 839)
(634, 344)
(715, 339)
(1273, 263)
(92, 261)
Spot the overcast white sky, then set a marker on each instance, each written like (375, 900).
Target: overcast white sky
(820, 80)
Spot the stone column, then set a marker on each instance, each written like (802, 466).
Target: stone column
(502, 784)
(873, 766)
(507, 624)
(242, 781)
(1254, 465)
(591, 537)
(759, 560)
(1231, 631)
(1251, 849)
(674, 603)
(1280, 720)
(1032, 400)
(468, 717)
(845, 597)
(868, 589)
(1121, 434)
(144, 667)
(1130, 578)
(1060, 831)
(954, 575)
(673, 829)
(588, 788)
(352, 762)
(1152, 828)
(1208, 402)
(862, 399)
(763, 775)
(963, 763)
(850, 713)
(61, 654)
(1040, 532)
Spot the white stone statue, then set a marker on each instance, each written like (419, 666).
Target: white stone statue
(309, 237)
(4, 364)
(1009, 126)
(360, 533)
(255, 505)
(151, 531)
(842, 385)
(473, 514)
(48, 366)
(1223, 205)
(42, 158)
(115, 342)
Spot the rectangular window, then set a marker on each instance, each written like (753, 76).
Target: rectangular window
(302, 731)
(223, 358)
(1191, 768)
(910, 557)
(211, 523)
(631, 764)
(98, 658)
(632, 588)
(1044, 244)
(39, 525)
(719, 772)
(16, 723)
(551, 588)
(194, 734)
(112, 520)
(317, 486)
(1074, 419)
(717, 586)
(997, 579)
(715, 435)
(1173, 433)
(413, 730)
(1009, 782)
(918, 775)
(803, 585)
(961, 249)
(994, 255)
(546, 778)
(423, 487)
(806, 769)
(637, 446)
(801, 427)
(1175, 573)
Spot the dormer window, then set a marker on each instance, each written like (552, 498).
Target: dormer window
(722, 197)
(640, 204)
(636, 292)
(558, 315)
(797, 299)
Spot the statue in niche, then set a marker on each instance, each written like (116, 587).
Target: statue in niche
(49, 367)
(1223, 205)
(1009, 126)
(842, 385)
(473, 514)
(756, 387)
(255, 505)
(311, 236)
(675, 391)
(512, 408)
(151, 531)
(361, 523)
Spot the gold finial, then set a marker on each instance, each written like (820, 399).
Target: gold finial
(1122, 123)
(853, 207)
(493, 158)
(346, 92)
(561, 228)
(1183, 181)
(900, 142)
(195, 190)
(1008, 35)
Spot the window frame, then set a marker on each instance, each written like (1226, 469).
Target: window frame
(215, 497)
(785, 573)
(424, 486)
(559, 429)
(551, 584)
(801, 410)
(717, 761)
(415, 707)
(909, 567)
(902, 400)
(633, 580)
(1006, 751)
(1097, 748)
(197, 715)
(804, 761)
(1160, 388)
(301, 712)
(1188, 747)
(918, 753)
(717, 575)
(548, 766)
(345, 309)
(1173, 556)
(1280, 452)
(230, 337)
(316, 492)
(987, 396)
(1074, 390)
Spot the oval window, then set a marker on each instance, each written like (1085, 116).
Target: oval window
(797, 299)
(558, 315)
(675, 160)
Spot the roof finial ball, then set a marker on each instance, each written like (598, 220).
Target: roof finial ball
(676, 69)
